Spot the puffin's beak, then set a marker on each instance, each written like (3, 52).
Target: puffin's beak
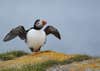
(44, 22)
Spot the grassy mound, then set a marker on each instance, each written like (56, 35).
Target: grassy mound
(11, 55)
(44, 65)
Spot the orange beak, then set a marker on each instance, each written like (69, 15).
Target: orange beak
(44, 22)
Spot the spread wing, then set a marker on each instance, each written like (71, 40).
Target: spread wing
(18, 31)
(52, 30)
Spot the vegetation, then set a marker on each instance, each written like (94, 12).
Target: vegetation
(11, 55)
(43, 66)
(77, 58)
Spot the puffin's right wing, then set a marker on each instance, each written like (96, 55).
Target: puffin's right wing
(52, 30)
(18, 31)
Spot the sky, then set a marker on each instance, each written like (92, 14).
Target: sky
(78, 22)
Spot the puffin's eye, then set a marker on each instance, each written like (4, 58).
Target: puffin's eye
(37, 23)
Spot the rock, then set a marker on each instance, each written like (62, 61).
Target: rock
(87, 65)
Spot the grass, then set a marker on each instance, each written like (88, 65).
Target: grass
(77, 58)
(44, 65)
(31, 67)
(11, 55)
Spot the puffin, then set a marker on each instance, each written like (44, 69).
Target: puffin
(35, 37)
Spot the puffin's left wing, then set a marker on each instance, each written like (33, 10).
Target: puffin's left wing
(52, 30)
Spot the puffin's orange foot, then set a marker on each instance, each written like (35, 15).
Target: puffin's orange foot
(35, 50)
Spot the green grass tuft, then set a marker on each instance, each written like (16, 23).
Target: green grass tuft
(76, 58)
(11, 55)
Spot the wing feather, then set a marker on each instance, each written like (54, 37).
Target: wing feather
(18, 31)
(52, 30)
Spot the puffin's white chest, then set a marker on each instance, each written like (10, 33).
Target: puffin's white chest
(36, 38)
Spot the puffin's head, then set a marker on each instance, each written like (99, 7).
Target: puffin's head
(39, 24)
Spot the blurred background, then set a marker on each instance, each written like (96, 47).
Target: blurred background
(77, 20)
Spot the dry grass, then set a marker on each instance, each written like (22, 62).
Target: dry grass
(35, 58)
